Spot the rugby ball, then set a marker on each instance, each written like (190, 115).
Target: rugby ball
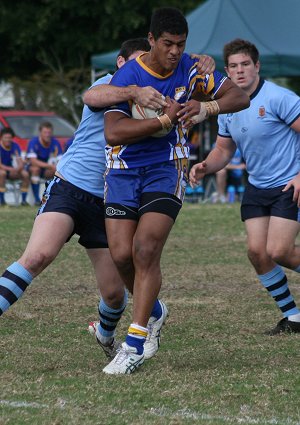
(140, 113)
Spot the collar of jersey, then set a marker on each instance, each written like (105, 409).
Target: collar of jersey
(6, 149)
(149, 70)
(257, 90)
(42, 143)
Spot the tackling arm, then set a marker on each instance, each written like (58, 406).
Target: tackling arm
(104, 95)
(229, 98)
(119, 129)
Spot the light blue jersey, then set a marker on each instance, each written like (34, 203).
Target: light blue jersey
(262, 133)
(83, 164)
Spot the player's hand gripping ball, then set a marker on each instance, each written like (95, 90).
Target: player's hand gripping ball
(140, 113)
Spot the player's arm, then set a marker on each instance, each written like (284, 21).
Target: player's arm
(104, 95)
(217, 159)
(38, 163)
(296, 125)
(20, 163)
(295, 182)
(5, 167)
(240, 166)
(119, 129)
(229, 98)
(205, 65)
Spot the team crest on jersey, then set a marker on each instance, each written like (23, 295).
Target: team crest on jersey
(261, 111)
(179, 93)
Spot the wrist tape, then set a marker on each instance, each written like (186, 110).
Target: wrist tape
(206, 109)
(165, 121)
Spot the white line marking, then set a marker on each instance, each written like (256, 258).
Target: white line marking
(246, 419)
(22, 404)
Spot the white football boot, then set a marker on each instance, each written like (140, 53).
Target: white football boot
(154, 326)
(126, 361)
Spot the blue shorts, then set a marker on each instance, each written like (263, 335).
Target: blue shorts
(130, 193)
(269, 202)
(86, 210)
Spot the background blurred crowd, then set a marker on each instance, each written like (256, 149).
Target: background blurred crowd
(26, 170)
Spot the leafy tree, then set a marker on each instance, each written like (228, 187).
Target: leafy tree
(48, 44)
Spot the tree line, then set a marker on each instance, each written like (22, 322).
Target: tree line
(47, 45)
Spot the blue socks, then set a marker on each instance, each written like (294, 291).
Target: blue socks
(276, 284)
(24, 195)
(109, 318)
(13, 283)
(157, 310)
(136, 337)
(36, 191)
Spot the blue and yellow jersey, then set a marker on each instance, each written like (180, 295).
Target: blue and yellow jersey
(7, 155)
(180, 85)
(44, 153)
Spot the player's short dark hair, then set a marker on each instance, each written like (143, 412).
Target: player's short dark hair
(132, 45)
(168, 19)
(240, 46)
(7, 130)
(45, 124)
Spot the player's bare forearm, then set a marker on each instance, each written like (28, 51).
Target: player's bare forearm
(217, 159)
(121, 130)
(231, 98)
(37, 163)
(105, 95)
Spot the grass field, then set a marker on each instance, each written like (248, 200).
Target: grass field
(215, 365)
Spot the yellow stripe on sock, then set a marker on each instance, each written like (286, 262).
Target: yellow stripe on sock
(135, 331)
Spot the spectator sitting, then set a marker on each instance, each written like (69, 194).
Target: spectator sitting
(68, 144)
(231, 175)
(43, 153)
(11, 165)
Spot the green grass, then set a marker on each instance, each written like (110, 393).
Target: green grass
(215, 366)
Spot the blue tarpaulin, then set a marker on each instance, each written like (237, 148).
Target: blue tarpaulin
(272, 25)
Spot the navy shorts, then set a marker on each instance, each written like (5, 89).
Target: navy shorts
(86, 210)
(130, 193)
(269, 202)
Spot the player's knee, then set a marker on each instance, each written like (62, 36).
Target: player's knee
(278, 254)
(114, 298)
(122, 260)
(146, 252)
(255, 255)
(36, 262)
(25, 175)
(35, 179)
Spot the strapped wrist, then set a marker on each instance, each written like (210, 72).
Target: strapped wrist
(206, 110)
(212, 108)
(165, 121)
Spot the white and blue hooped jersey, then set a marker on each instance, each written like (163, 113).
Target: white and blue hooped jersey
(84, 162)
(262, 133)
(180, 84)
